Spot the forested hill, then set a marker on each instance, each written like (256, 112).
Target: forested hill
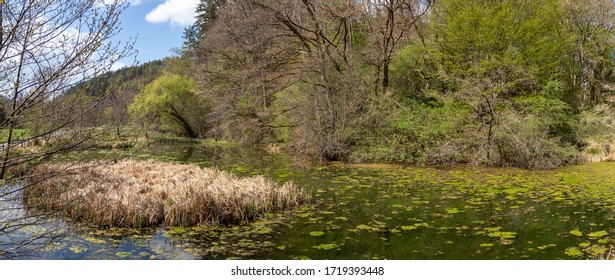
(127, 80)
(115, 91)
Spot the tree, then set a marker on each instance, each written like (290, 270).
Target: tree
(244, 61)
(47, 47)
(389, 23)
(169, 100)
(206, 12)
(592, 28)
(330, 88)
(492, 52)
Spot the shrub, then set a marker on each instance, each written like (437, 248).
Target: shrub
(524, 140)
(420, 133)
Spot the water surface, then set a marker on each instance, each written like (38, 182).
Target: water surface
(377, 211)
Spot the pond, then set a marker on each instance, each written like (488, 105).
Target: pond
(375, 211)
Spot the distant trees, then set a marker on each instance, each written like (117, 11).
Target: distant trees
(206, 12)
(116, 91)
(330, 89)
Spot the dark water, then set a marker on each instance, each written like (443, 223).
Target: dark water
(378, 212)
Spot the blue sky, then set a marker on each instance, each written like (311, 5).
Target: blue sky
(158, 26)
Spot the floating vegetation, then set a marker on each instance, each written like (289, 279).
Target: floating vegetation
(330, 246)
(123, 255)
(264, 231)
(573, 252)
(145, 193)
(445, 212)
(77, 249)
(597, 234)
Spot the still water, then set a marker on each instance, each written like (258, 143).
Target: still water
(373, 211)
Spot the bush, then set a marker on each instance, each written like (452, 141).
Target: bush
(419, 133)
(524, 140)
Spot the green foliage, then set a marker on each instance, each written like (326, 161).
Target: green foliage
(169, 102)
(480, 38)
(413, 73)
(524, 140)
(419, 133)
(18, 134)
(556, 116)
(537, 132)
(481, 81)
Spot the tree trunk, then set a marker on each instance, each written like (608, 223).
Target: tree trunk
(183, 122)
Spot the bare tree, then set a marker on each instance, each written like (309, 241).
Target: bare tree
(389, 23)
(322, 32)
(244, 62)
(46, 47)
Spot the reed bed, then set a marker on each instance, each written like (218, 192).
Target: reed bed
(145, 193)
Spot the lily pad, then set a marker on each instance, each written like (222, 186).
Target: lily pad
(576, 232)
(503, 234)
(94, 240)
(123, 254)
(409, 227)
(573, 252)
(177, 230)
(326, 247)
(317, 233)
(264, 231)
(366, 227)
(597, 250)
(598, 234)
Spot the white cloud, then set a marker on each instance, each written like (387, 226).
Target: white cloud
(109, 2)
(176, 12)
(117, 66)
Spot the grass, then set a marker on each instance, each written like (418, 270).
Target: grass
(135, 138)
(147, 193)
(18, 134)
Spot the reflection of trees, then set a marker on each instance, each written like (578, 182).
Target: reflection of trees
(46, 47)
(22, 232)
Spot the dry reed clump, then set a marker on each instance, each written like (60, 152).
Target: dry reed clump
(145, 193)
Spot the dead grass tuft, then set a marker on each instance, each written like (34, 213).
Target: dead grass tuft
(145, 193)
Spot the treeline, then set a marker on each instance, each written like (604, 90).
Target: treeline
(517, 82)
(112, 93)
